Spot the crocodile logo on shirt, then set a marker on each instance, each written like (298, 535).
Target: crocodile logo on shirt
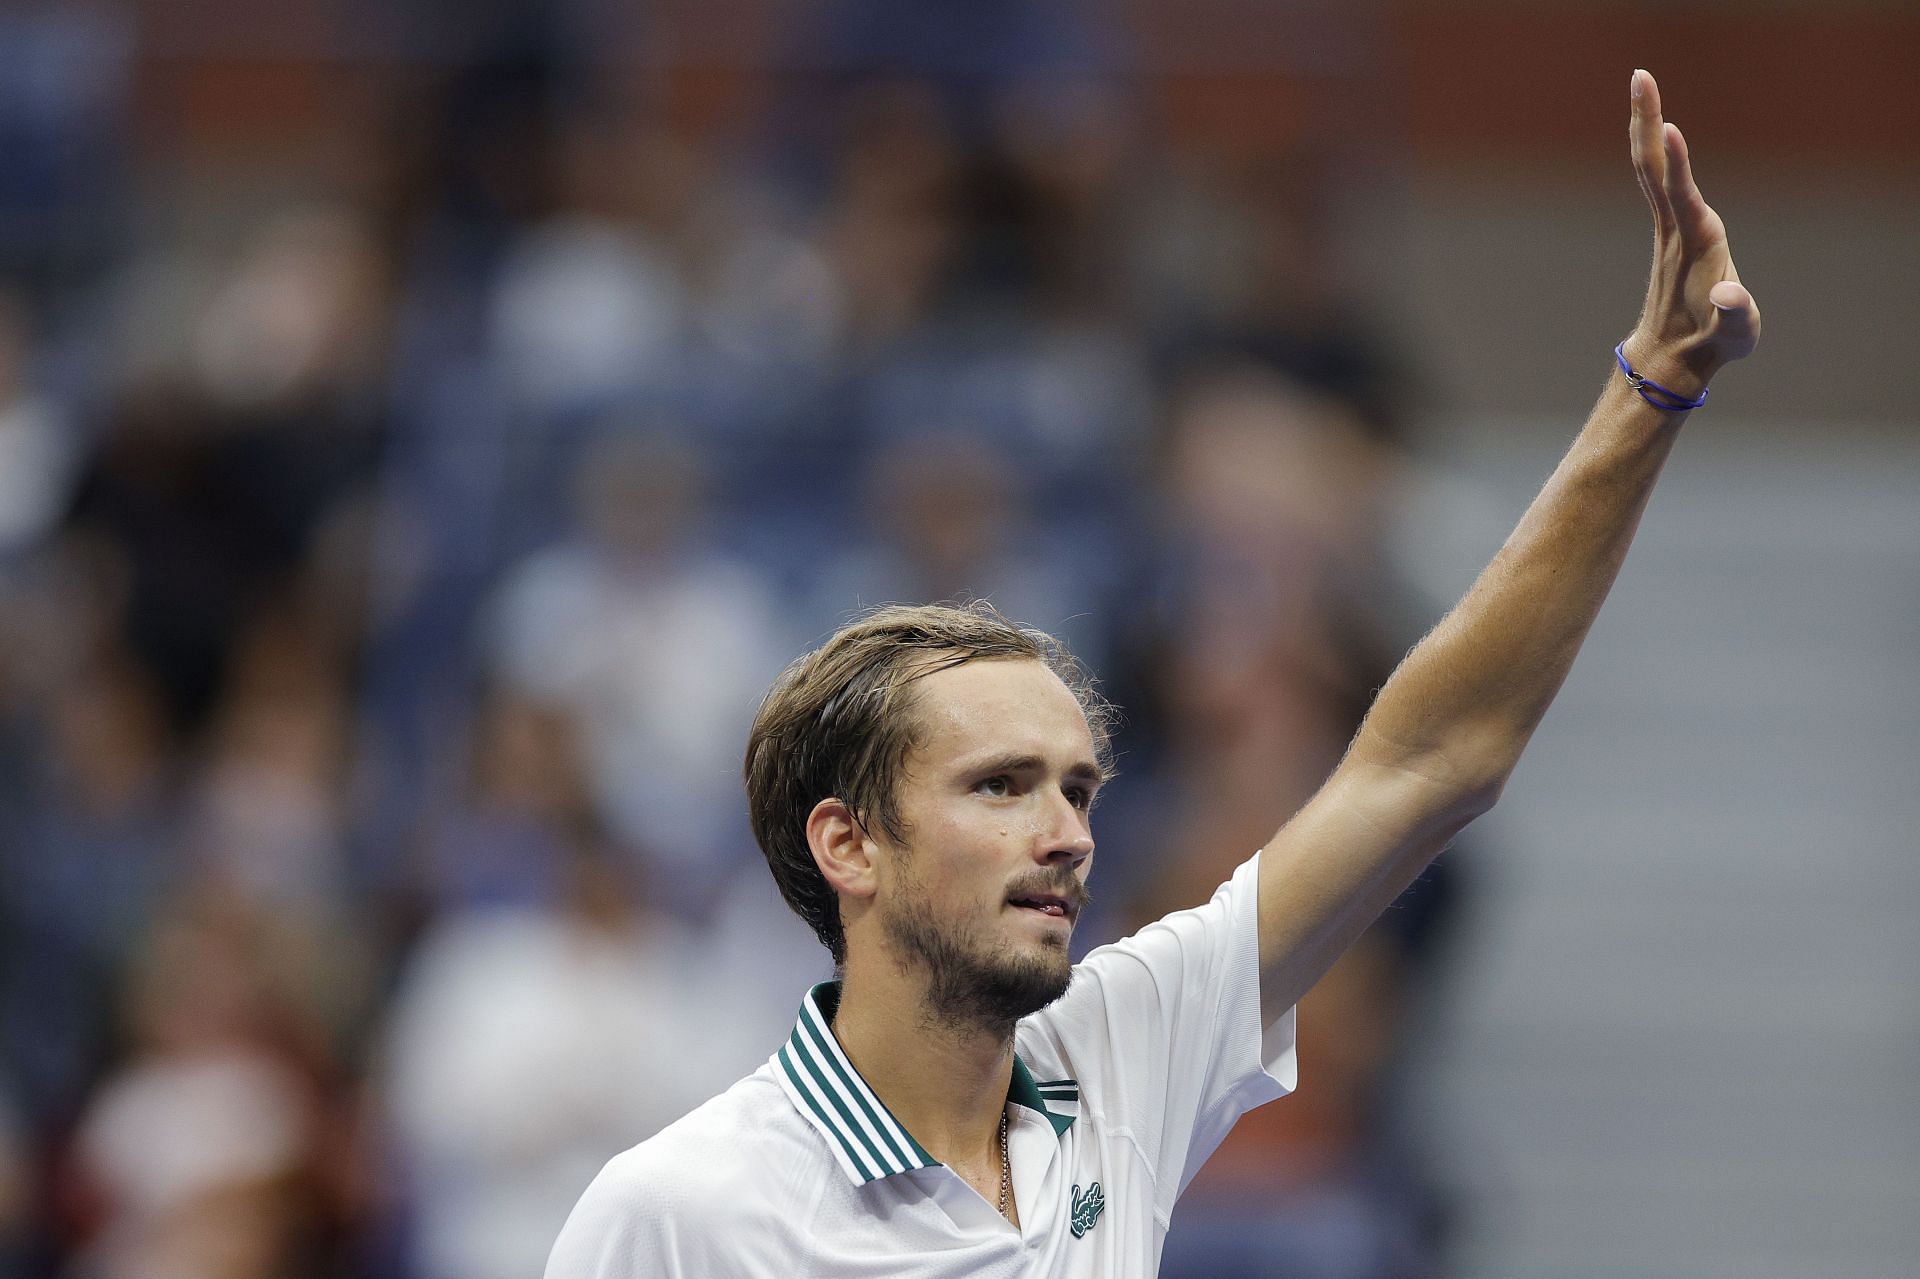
(1087, 1207)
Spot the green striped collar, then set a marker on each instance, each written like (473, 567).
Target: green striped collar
(866, 1139)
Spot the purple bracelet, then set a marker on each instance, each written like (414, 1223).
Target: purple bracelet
(1652, 392)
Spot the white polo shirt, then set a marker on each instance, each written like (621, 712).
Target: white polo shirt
(1120, 1091)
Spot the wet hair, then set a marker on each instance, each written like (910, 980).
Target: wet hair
(841, 721)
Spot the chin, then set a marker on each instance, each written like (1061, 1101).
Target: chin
(978, 980)
(1027, 984)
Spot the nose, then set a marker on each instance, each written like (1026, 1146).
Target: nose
(1066, 835)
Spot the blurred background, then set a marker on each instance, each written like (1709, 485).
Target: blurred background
(426, 428)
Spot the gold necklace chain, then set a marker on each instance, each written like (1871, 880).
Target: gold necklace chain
(1006, 1166)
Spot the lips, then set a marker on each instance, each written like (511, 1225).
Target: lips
(1045, 904)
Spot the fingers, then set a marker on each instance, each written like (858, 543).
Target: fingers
(1680, 187)
(1647, 139)
(1665, 169)
(1690, 209)
(1690, 242)
(1645, 91)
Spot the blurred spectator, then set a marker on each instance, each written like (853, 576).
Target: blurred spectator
(64, 72)
(191, 563)
(200, 1156)
(660, 645)
(1249, 261)
(248, 417)
(755, 961)
(503, 842)
(1273, 494)
(83, 862)
(969, 310)
(293, 329)
(951, 518)
(890, 226)
(266, 810)
(584, 309)
(1270, 500)
(530, 1043)
(39, 441)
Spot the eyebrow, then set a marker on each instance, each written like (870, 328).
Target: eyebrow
(1085, 771)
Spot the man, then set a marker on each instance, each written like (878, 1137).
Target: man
(962, 1102)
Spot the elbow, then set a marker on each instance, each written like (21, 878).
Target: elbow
(1457, 782)
(1478, 799)
(1453, 808)
(1479, 769)
(1483, 762)
(1463, 799)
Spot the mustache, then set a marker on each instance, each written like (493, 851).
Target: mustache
(1069, 889)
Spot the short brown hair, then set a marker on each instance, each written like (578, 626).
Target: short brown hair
(839, 723)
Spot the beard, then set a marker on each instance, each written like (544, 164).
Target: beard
(973, 983)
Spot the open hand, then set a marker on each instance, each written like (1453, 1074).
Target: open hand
(1698, 315)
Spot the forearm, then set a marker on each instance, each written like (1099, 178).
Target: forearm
(1463, 703)
(1450, 724)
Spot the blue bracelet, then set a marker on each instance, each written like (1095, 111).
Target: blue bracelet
(1652, 392)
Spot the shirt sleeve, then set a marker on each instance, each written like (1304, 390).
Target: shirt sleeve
(1162, 1031)
(606, 1238)
(635, 1222)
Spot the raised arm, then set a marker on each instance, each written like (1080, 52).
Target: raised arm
(1449, 726)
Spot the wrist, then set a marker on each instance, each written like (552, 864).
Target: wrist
(1665, 398)
(1684, 369)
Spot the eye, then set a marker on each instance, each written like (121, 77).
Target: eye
(999, 786)
(1081, 797)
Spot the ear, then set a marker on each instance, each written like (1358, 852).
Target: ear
(841, 848)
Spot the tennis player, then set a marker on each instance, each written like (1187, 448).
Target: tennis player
(964, 1102)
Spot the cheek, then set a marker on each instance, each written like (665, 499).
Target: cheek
(965, 854)
(965, 833)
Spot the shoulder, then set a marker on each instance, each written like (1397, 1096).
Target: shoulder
(661, 1207)
(720, 1146)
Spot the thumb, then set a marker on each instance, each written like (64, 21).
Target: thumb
(1737, 318)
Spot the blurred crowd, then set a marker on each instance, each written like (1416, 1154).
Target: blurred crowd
(389, 570)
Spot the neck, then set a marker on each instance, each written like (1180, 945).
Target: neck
(945, 1081)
